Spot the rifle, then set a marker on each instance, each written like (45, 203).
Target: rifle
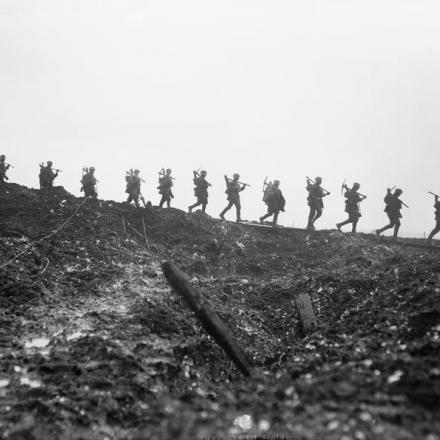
(265, 183)
(403, 203)
(434, 194)
(131, 173)
(57, 170)
(9, 165)
(162, 173)
(345, 186)
(311, 180)
(227, 179)
(197, 175)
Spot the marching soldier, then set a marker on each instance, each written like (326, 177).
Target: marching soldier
(392, 208)
(133, 188)
(274, 200)
(437, 219)
(353, 198)
(314, 199)
(3, 168)
(165, 185)
(47, 175)
(233, 189)
(200, 190)
(88, 182)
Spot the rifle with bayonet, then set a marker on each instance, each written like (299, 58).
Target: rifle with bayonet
(434, 194)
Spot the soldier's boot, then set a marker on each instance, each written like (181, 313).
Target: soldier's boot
(238, 215)
(379, 231)
(204, 208)
(339, 225)
(222, 214)
(264, 218)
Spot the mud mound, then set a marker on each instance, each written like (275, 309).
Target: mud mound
(93, 344)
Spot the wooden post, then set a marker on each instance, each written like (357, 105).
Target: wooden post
(123, 226)
(306, 312)
(145, 234)
(208, 318)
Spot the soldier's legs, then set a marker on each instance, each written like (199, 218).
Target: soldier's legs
(191, 207)
(200, 201)
(354, 227)
(162, 201)
(379, 231)
(396, 229)
(312, 214)
(238, 210)
(346, 222)
(222, 214)
(265, 216)
(275, 218)
(435, 231)
(317, 215)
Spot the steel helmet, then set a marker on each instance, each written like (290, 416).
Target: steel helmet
(236, 176)
(49, 162)
(203, 173)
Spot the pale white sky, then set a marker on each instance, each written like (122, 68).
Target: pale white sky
(342, 89)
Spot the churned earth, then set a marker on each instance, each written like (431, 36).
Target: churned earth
(95, 345)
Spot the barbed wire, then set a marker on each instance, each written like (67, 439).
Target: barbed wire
(51, 234)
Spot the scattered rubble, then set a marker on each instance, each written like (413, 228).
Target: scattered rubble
(94, 345)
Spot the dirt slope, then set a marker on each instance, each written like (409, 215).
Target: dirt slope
(94, 345)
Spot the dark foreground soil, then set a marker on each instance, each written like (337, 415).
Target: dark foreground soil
(94, 344)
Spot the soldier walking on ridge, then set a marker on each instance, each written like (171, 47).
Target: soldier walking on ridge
(88, 182)
(274, 200)
(47, 175)
(165, 185)
(392, 208)
(233, 189)
(200, 190)
(353, 198)
(437, 220)
(133, 188)
(314, 199)
(3, 168)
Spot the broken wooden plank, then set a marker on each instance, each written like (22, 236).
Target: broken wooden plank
(208, 318)
(306, 313)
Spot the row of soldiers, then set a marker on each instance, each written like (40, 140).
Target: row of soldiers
(273, 196)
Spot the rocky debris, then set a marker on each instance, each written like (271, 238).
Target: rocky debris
(94, 345)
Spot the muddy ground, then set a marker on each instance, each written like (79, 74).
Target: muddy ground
(94, 344)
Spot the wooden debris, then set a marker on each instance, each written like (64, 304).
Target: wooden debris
(306, 312)
(208, 318)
